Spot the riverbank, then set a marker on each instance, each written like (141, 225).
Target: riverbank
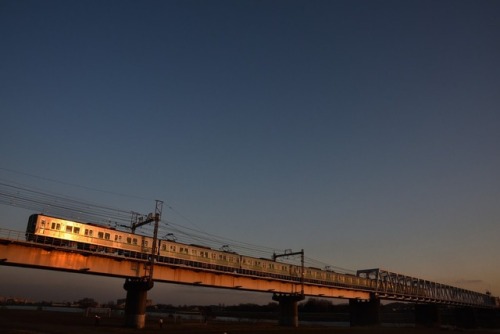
(46, 322)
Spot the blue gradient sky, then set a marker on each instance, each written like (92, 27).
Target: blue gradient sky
(365, 132)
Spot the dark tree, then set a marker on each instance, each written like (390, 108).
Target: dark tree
(87, 302)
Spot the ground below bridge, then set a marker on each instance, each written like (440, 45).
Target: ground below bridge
(16, 322)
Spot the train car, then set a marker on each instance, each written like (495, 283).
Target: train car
(197, 256)
(61, 232)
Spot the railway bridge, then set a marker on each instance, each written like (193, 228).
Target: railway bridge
(364, 302)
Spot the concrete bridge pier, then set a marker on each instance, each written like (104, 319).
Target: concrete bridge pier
(288, 308)
(364, 312)
(488, 318)
(135, 304)
(427, 315)
(465, 317)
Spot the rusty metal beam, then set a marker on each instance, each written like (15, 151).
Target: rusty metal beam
(23, 254)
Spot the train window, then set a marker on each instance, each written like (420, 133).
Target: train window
(107, 236)
(100, 235)
(193, 252)
(118, 237)
(164, 247)
(134, 241)
(89, 233)
(53, 226)
(76, 230)
(144, 243)
(43, 223)
(58, 226)
(69, 229)
(129, 240)
(172, 248)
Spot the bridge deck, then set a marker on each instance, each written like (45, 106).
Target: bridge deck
(32, 255)
(15, 251)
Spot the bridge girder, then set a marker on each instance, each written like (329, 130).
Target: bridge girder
(392, 285)
(387, 285)
(29, 255)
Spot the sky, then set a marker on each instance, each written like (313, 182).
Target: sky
(365, 132)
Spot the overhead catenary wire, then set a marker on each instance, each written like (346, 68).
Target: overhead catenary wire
(24, 174)
(78, 209)
(218, 240)
(52, 204)
(24, 191)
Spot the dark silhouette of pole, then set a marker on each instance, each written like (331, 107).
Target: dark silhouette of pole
(154, 247)
(301, 253)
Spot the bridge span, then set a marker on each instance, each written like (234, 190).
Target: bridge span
(16, 251)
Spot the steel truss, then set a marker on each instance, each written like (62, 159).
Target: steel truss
(388, 285)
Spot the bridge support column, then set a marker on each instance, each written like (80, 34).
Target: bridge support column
(488, 318)
(288, 308)
(135, 304)
(364, 312)
(427, 315)
(465, 317)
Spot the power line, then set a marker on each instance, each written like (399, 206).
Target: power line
(18, 196)
(74, 184)
(76, 209)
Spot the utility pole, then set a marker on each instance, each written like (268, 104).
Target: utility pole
(289, 252)
(154, 247)
(156, 218)
(288, 302)
(137, 287)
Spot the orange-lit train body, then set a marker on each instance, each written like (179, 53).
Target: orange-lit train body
(66, 233)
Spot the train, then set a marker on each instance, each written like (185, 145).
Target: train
(56, 231)
(60, 232)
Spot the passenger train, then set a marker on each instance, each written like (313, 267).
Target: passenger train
(60, 232)
(89, 237)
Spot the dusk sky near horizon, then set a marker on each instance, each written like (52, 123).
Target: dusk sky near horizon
(365, 132)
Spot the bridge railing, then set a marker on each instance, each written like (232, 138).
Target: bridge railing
(12, 235)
